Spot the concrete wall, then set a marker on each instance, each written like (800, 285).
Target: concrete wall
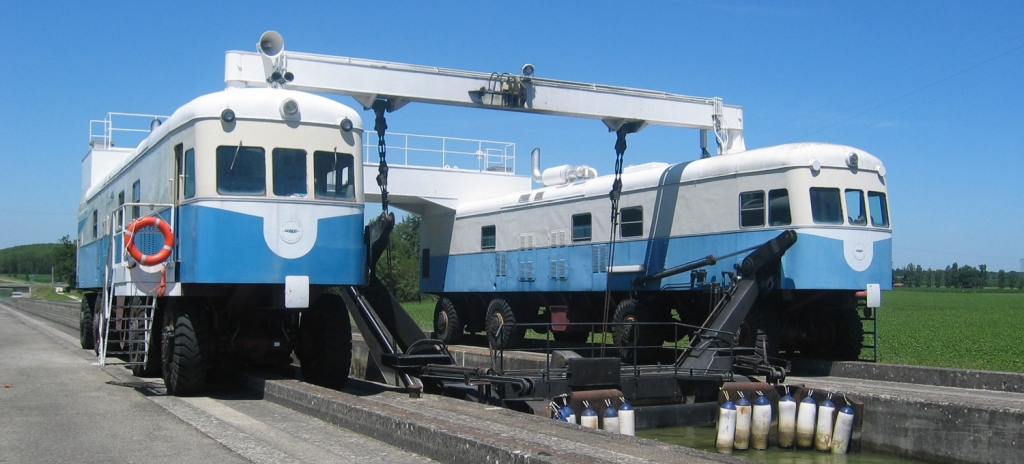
(920, 375)
(68, 309)
(930, 430)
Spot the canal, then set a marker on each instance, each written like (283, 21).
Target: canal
(703, 438)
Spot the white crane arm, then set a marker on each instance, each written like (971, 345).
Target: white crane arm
(369, 80)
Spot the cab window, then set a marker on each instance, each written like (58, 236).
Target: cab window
(825, 206)
(241, 170)
(289, 171)
(879, 210)
(855, 208)
(333, 175)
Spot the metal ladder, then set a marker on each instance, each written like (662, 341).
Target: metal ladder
(869, 315)
(125, 330)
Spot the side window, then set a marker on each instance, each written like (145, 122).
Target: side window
(136, 197)
(879, 210)
(289, 171)
(95, 223)
(855, 208)
(752, 209)
(241, 170)
(117, 213)
(425, 264)
(778, 208)
(333, 175)
(190, 173)
(825, 206)
(581, 228)
(631, 222)
(487, 241)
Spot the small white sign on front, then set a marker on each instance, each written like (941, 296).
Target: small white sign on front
(874, 296)
(296, 291)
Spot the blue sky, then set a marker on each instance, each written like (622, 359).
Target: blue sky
(933, 88)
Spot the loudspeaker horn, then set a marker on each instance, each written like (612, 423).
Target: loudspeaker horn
(271, 44)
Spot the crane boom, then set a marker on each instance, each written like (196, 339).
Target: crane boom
(399, 83)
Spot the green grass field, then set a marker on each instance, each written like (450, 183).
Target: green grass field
(422, 311)
(972, 330)
(924, 327)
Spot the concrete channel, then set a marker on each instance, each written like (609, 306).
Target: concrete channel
(932, 414)
(924, 413)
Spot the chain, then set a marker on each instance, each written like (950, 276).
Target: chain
(614, 194)
(381, 125)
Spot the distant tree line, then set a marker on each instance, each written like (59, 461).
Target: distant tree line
(41, 259)
(956, 276)
(27, 259)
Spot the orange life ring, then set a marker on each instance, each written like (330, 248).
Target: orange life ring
(165, 230)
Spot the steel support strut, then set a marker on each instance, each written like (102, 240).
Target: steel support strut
(709, 350)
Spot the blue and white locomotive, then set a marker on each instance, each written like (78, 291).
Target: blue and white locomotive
(543, 255)
(259, 198)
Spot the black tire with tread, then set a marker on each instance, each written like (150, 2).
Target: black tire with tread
(86, 333)
(448, 326)
(325, 345)
(501, 316)
(838, 334)
(185, 352)
(627, 338)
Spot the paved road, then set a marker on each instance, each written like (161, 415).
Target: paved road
(56, 406)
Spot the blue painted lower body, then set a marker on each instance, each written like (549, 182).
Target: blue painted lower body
(216, 246)
(813, 263)
(219, 246)
(91, 259)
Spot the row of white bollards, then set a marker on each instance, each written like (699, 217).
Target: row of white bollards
(617, 420)
(807, 425)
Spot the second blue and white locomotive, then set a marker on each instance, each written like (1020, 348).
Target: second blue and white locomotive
(543, 255)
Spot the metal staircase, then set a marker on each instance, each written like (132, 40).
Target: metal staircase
(127, 322)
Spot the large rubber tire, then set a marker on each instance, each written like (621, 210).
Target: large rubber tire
(325, 344)
(86, 333)
(448, 325)
(761, 321)
(185, 346)
(636, 343)
(502, 333)
(836, 334)
(153, 366)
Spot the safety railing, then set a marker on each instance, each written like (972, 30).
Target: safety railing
(443, 152)
(132, 125)
(149, 240)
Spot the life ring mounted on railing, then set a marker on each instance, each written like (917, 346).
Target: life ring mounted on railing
(160, 225)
